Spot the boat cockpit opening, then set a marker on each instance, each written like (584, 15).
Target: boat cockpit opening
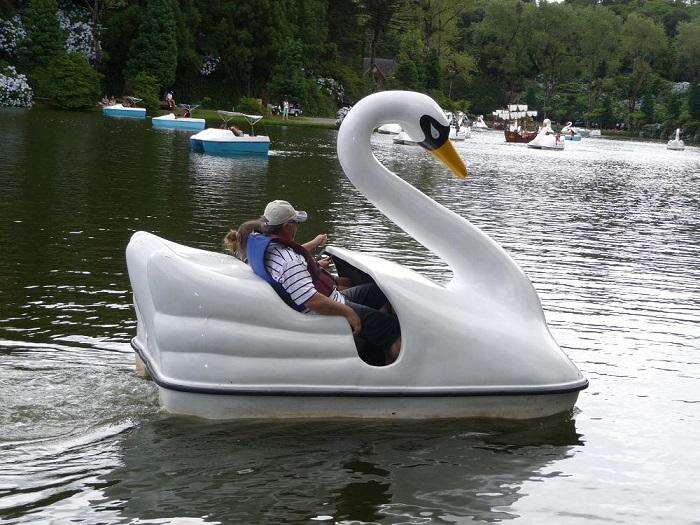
(357, 277)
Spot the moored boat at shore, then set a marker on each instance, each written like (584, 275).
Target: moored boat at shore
(185, 122)
(122, 111)
(170, 121)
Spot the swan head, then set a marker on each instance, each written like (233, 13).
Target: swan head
(420, 117)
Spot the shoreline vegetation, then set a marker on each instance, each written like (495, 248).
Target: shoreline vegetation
(612, 64)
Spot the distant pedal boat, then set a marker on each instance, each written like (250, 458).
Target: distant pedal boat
(215, 141)
(223, 142)
(170, 121)
(119, 110)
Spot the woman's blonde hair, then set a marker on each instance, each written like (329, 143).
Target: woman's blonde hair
(236, 241)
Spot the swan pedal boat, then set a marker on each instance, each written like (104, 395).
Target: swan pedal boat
(404, 138)
(119, 110)
(220, 343)
(389, 129)
(170, 121)
(460, 135)
(676, 144)
(547, 139)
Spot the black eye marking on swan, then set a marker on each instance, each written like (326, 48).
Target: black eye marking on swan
(435, 134)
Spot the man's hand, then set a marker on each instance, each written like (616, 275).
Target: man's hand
(314, 243)
(320, 239)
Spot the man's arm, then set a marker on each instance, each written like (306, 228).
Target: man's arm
(321, 304)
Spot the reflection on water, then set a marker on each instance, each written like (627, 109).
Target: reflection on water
(289, 473)
(607, 232)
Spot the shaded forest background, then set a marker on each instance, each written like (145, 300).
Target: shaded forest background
(605, 62)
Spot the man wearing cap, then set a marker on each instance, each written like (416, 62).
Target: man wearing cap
(300, 281)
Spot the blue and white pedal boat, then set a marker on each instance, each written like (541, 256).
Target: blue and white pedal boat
(119, 110)
(222, 141)
(170, 121)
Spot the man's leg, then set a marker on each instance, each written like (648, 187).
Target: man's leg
(380, 329)
(367, 294)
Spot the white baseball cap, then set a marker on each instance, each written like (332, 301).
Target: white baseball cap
(279, 212)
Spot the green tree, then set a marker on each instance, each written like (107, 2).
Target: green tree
(694, 102)
(643, 43)
(598, 44)
(647, 107)
(68, 82)
(379, 15)
(410, 64)
(154, 51)
(501, 37)
(45, 40)
(688, 41)
(551, 47)
(288, 79)
(146, 87)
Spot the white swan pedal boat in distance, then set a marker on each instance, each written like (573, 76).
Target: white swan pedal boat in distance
(389, 129)
(546, 138)
(676, 144)
(460, 135)
(219, 342)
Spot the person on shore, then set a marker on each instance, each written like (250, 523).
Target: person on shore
(298, 279)
(285, 109)
(170, 100)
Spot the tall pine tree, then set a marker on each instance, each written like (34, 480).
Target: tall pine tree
(154, 51)
(45, 40)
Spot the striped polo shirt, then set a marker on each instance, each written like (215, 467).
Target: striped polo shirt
(289, 269)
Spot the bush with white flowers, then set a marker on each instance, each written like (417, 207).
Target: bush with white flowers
(331, 87)
(12, 32)
(14, 90)
(209, 65)
(75, 23)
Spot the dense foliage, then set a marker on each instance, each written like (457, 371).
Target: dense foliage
(68, 82)
(602, 61)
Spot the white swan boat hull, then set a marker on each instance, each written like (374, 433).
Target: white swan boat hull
(364, 406)
(676, 145)
(549, 141)
(170, 121)
(212, 336)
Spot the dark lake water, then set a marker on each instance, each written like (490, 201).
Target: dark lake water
(608, 232)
